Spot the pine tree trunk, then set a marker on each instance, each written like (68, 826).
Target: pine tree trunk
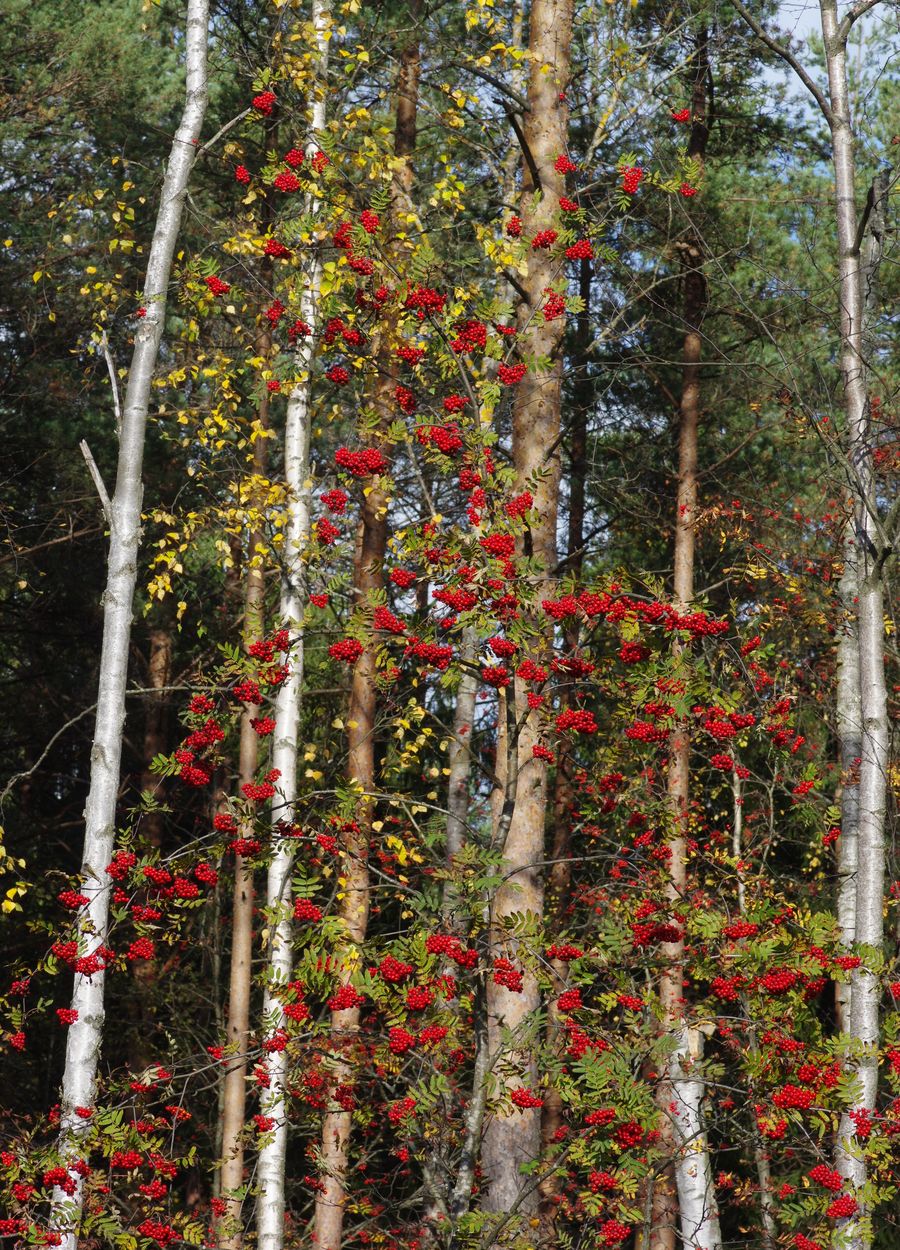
(512, 1137)
(682, 1091)
(229, 1226)
(159, 674)
(85, 1036)
(559, 884)
(271, 1163)
(368, 576)
(460, 766)
(151, 828)
(864, 1022)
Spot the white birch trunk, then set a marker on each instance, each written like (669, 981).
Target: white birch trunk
(697, 1210)
(849, 728)
(86, 1034)
(864, 1025)
(272, 1154)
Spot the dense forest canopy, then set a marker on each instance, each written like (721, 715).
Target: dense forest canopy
(448, 624)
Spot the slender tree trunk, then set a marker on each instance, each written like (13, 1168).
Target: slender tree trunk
(849, 729)
(864, 1022)
(559, 884)
(513, 1137)
(270, 1205)
(368, 576)
(769, 1226)
(849, 693)
(460, 767)
(234, 1096)
(86, 1034)
(152, 827)
(682, 1091)
(159, 674)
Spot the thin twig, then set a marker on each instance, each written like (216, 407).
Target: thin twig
(223, 130)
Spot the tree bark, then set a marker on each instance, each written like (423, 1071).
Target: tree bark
(86, 1034)
(159, 673)
(229, 1226)
(512, 1137)
(865, 993)
(681, 1092)
(559, 884)
(271, 1163)
(368, 576)
(151, 828)
(460, 766)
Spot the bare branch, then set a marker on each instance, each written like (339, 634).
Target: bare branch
(113, 380)
(223, 130)
(853, 15)
(788, 56)
(98, 481)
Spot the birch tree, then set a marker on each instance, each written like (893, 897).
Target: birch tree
(291, 608)
(123, 513)
(862, 693)
(871, 551)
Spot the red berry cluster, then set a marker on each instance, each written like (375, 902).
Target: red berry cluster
(418, 997)
(264, 102)
(347, 650)
(141, 948)
(793, 1096)
(401, 1110)
(369, 221)
(842, 1208)
(525, 1099)
(345, 998)
(443, 438)
(400, 1040)
(306, 910)
(829, 1177)
(543, 239)
(581, 249)
(631, 178)
(72, 900)
(364, 463)
(424, 299)
(578, 720)
(507, 975)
